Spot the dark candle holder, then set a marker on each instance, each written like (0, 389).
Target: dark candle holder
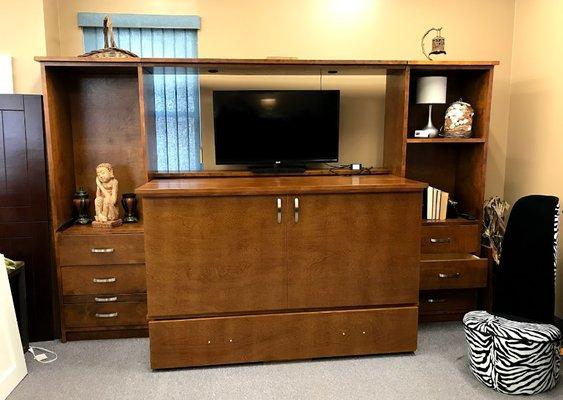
(81, 202)
(129, 203)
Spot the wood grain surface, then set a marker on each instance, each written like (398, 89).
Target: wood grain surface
(278, 185)
(353, 249)
(80, 280)
(451, 271)
(272, 337)
(451, 238)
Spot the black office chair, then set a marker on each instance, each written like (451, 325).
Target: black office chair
(524, 282)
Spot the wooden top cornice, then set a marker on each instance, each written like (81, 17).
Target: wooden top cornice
(272, 65)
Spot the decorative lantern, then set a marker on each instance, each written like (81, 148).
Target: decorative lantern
(81, 202)
(458, 121)
(438, 43)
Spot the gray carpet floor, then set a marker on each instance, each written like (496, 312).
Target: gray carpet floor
(119, 369)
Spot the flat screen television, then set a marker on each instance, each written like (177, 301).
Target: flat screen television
(276, 127)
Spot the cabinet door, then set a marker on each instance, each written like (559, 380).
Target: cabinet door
(214, 255)
(354, 249)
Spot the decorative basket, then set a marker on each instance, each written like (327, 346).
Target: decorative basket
(459, 119)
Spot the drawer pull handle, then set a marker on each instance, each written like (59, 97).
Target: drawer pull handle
(455, 275)
(440, 240)
(107, 315)
(102, 250)
(279, 206)
(296, 209)
(432, 301)
(105, 299)
(104, 280)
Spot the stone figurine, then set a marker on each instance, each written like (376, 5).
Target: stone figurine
(107, 212)
(110, 49)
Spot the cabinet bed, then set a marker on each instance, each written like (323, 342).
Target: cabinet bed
(276, 268)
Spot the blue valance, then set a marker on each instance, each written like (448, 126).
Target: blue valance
(96, 20)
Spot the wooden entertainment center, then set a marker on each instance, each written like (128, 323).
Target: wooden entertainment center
(241, 268)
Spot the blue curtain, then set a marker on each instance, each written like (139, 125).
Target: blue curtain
(176, 89)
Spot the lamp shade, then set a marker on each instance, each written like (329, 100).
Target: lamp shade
(431, 90)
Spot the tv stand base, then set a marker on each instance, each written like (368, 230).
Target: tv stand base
(286, 169)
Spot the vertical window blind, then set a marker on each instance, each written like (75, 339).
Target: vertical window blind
(176, 89)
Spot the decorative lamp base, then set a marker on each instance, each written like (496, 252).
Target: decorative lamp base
(429, 131)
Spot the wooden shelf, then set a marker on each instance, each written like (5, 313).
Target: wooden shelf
(90, 230)
(265, 61)
(448, 257)
(449, 221)
(290, 185)
(445, 140)
(247, 173)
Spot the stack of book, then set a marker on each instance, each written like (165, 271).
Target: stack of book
(436, 203)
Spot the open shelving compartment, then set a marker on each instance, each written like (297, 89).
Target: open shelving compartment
(454, 165)
(456, 168)
(454, 279)
(91, 119)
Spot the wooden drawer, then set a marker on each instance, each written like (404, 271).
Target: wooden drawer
(100, 315)
(447, 301)
(109, 279)
(450, 238)
(105, 298)
(240, 339)
(101, 249)
(452, 271)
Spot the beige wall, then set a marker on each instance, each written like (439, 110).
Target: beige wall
(52, 34)
(354, 29)
(22, 35)
(534, 163)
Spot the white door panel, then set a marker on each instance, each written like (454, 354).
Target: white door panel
(12, 362)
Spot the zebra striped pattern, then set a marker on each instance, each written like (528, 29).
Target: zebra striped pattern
(512, 357)
(476, 325)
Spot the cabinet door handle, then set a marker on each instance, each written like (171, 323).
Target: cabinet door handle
(296, 209)
(102, 250)
(105, 299)
(279, 204)
(455, 275)
(440, 240)
(104, 280)
(107, 315)
(432, 301)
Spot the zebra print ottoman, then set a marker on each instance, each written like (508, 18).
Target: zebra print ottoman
(512, 357)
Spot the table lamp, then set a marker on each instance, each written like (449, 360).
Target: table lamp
(430, 90)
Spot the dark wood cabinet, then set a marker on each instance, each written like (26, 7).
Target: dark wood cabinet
(24, 226)
(259, 269)
(352, 249)
(217, 255)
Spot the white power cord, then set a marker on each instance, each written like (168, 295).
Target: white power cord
(42, 357)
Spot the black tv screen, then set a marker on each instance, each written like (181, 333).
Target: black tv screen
(271, 127)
